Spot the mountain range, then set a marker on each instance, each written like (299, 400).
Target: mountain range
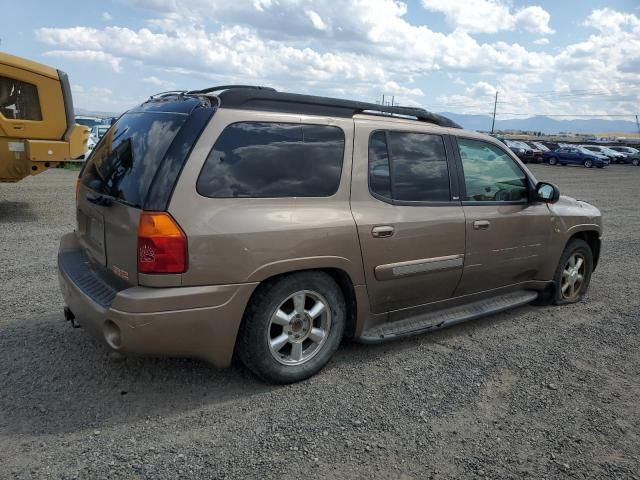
(543, 124)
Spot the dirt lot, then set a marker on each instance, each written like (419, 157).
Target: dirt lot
(533, 393)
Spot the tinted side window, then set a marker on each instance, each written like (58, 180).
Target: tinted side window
(419, 167)
(262, 160)
(19, 100)
(490, 174)
(379, 178)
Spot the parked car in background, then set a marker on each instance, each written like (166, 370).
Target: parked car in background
(88, 121)
(633, 154)
(524, 151)
(574, 156)
(601, 156)
(614, 157)
(267, 225)
(538, 146)
(550, 145)
(95, 134)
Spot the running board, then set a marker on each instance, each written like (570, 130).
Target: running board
(447, 317)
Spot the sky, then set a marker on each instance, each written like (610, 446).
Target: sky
(543, 57)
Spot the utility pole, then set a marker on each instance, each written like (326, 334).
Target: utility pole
(495, 104)
(638, 124)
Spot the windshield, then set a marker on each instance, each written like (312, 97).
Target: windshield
(126, 159)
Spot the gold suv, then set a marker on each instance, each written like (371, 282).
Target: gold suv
(274, 225)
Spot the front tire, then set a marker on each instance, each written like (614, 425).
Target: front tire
(573, 273)
(635, 162)
(292, 327)
(553, 160)
(588, 163)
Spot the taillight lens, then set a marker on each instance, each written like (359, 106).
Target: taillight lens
(162, 245)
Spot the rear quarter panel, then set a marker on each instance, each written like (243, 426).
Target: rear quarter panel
(238, 240)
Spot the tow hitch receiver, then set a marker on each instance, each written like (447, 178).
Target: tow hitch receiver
(68, 315)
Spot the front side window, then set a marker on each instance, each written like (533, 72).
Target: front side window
(409, 167)
(490, 174)
(267, 160)
(19, 100)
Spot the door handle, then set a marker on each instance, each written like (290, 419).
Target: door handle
(382, 231)
(481, 224)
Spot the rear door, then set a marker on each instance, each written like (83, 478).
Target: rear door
(507, 235)
(410, 225)
(114, 185)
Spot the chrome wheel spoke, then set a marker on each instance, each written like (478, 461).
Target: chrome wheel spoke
(579, 263)
(317, 310)
(316, 335)
(296, 351)
(565, 286)
(279, 342)
(298, 303)
(579, 279)
(281, 318)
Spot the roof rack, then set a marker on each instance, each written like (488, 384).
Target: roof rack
(246, 97)
(227, 87)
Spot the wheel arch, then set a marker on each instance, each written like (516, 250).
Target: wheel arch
(592, 238)
(355, 302)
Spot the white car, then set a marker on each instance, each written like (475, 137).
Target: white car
(611, 154)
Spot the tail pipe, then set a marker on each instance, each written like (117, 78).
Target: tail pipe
(70, 317)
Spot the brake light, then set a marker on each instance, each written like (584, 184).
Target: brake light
(162, 245)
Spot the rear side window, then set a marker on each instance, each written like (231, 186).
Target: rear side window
(409, 167)
(267, 160)
(19, 100)
(127, 157)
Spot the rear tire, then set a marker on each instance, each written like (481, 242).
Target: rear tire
(573, 273)
(635, 162)
(553, 160)
(283, 338)
(588, 163)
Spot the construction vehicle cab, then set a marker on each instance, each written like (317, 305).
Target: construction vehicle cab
(37, 128)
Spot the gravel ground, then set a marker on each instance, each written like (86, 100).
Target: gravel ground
(532, 393)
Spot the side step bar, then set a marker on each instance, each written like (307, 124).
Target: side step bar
(447, 317)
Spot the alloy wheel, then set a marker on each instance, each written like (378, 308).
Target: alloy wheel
(573, 276)
(299, 327)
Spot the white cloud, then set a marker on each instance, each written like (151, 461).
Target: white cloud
(153, 80)
(360, 49)
(490, 16)
(541, 41)
(316, 20)
(94, 56)
(107, 17)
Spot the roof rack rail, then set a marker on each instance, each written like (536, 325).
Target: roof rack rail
(268, 99)
(227, 87)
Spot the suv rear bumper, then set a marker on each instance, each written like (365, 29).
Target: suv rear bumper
(200, 321)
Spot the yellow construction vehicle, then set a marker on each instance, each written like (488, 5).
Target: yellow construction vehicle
(37, 127)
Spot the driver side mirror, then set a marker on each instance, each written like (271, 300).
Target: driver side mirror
(547, 192)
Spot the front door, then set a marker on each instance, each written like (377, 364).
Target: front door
(411, 230)
(507, 235)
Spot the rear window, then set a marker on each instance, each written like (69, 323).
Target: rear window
(127, 157)
(266, 160)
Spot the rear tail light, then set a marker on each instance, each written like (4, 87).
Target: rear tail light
(162, 245)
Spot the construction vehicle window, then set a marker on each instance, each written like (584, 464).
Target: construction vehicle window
(19, 100)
